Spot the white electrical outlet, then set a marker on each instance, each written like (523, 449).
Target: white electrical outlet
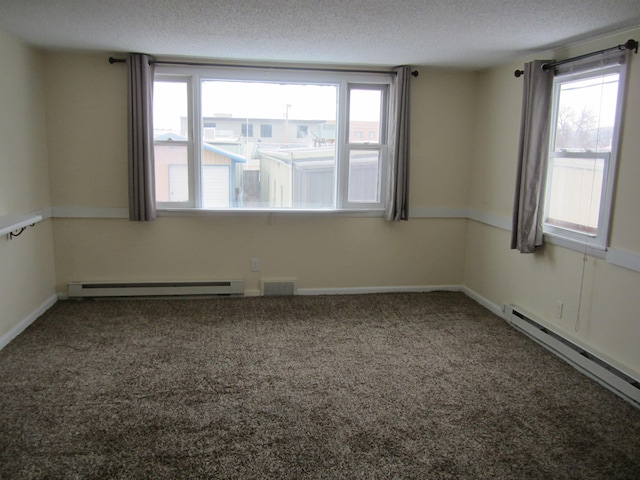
(255, 264)
(559, 307)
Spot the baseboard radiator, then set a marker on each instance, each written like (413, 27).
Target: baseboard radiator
(149, 289)
(590, 364)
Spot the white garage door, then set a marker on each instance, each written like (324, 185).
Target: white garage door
(215, 186)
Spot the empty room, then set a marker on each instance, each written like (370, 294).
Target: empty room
(285, 239)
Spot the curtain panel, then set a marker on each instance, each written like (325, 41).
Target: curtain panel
(398, 192)
(528, 208)
(140, 122)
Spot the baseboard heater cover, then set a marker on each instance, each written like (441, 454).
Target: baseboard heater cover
(592, 365)
(146, 289)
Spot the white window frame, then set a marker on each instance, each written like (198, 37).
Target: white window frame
(363, 144)
(191, 178)
(194, 76)
(567, 236)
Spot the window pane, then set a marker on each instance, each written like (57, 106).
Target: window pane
(290, 164)
(170, 131)
(247, 130)
(586, 114)
(364, 115)
(172, 182)
(170, 111)
(575, 192)
(364, 176)
(265, 131)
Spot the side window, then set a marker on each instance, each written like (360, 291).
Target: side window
(582, 152)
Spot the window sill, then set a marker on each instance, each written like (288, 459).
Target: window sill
(240, 212)
(576, 245)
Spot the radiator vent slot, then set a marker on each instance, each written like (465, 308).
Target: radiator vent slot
(146, 289)
(591, 364)
(278, 288)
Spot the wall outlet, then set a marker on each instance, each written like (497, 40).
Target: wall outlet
(559, 308)
(255, 264)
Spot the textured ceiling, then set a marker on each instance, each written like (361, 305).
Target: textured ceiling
(453, 33)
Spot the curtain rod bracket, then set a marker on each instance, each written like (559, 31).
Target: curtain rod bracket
(113, 60)
(631, 45)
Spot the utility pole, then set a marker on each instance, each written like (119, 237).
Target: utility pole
(286, 124)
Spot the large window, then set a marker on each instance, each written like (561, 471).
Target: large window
(320, 141)
(583, 143)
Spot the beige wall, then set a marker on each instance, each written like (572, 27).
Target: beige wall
(608, 317)
(26, 262)
(87, 125)
(442, 117)
(86, 105)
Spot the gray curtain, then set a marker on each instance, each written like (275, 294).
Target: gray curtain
(398, 193)
(142, 205)
(528, 209)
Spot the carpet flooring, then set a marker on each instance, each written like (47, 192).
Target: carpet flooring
(381, 386)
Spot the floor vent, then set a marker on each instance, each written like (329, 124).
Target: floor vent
(146, 289)
(281, 288)
(592, 365)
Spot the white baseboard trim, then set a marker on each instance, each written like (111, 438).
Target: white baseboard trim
(387, 289)
(28, 320)
(486, 303)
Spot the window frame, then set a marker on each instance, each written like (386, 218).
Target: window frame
(381, 146)
(194, 76)
(598, 241)
(191, 178)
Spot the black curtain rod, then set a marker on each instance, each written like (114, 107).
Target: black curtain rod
(630, 45)
(113, 60)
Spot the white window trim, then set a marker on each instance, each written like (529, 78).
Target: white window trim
(382, 146)
(594, 244)
(195, 75)
(189, 143)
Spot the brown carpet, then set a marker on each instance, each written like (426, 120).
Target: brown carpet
(429, 386)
